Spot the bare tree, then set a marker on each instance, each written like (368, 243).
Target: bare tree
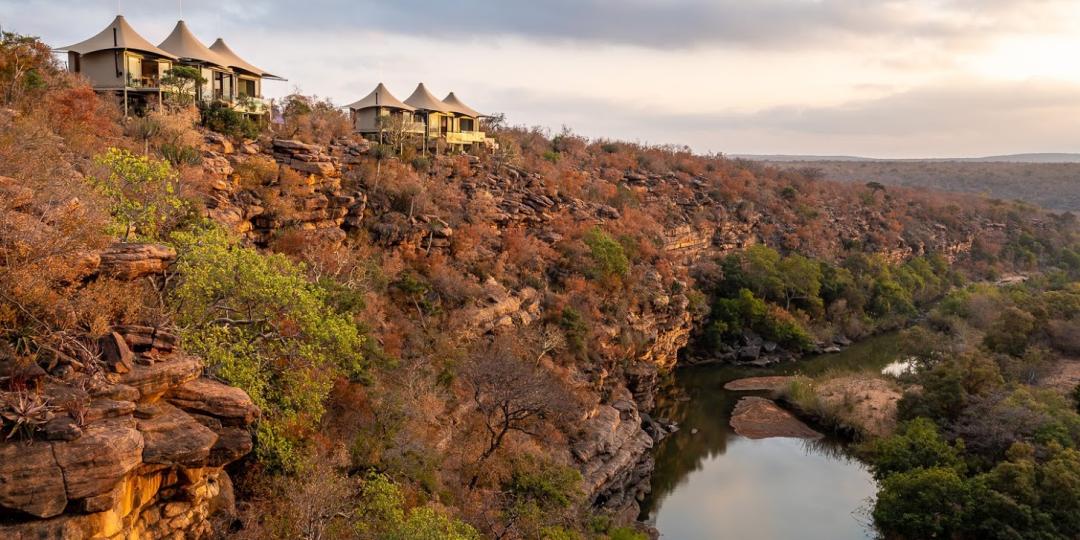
(512, 394)
(394, 130)
(549, 339)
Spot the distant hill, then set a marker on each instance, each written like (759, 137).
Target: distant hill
(1051, 181)
(1059, 157)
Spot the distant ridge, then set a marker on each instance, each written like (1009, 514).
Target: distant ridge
(1010, 158)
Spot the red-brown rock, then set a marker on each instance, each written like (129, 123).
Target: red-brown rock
(30, 479)
(133, 261)
(172, 437)
(230, 404)
(94, 463)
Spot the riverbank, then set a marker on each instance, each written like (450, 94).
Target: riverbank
(710, 478)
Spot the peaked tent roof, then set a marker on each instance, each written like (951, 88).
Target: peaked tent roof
(182, 43)
(456, 106)
(380, 97)
(423, 100)
(118, 35)
(235, 61)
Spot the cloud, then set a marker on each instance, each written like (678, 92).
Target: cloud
(669, 24)
(902, 78)
(963, 117)
(663, 24)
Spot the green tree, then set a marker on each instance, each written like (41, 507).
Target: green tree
(143, 193)
(180, 85)
(262, 326)
(922, 503)
(381, 514)
(916, 444)
(1011, 332)
(801, 281)
(222, 118)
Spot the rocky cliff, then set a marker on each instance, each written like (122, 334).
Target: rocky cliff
(327, 192)
(132, 441)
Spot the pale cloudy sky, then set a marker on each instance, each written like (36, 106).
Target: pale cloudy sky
(890, 78)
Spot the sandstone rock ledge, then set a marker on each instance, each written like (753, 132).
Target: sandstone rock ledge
(143, 460)
(614, 455)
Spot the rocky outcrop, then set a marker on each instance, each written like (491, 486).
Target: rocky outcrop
(770, 383)
(136, 465)
(133, 261)
(129, 440)
(500, 309)
(760, 418)
(613, 451)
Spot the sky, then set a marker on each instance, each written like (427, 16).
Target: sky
(878, 78)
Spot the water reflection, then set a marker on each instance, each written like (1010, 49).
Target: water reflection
(712, 483)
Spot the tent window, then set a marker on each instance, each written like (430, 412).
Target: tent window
(247, 88)
(134, 70)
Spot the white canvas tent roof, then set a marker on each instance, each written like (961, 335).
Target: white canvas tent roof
(118, 35)
(183, 44)
(380, 97)
(456, 106)
(234, 61)
(424, 100)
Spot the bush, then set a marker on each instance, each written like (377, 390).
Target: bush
(381, 514)
(922, 503)
(421, 164)
(917, 444)
(178, 154)
(609, 258)
(263, 327)
(142, 193)
(222, 118)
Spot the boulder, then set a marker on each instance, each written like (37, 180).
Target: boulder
(146, 338)
(749, 352)
(94, 463)
(61, 428)
(30, 479)
(218, 143)
(229, 404)
(115, 353)
(152, 381)
(754, 384)
(232, 444)
(172, 437)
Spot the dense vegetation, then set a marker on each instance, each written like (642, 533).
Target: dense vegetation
(989, 443)
(796, 301)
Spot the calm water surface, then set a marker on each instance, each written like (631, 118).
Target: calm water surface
(715, 484)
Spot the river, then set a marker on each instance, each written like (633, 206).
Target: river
(712, 484)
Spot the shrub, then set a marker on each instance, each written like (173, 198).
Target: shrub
(142, 193)
(609, 258)
(381, 514)
(922, 503)
(917, 444)
(421, 164)
(222, 118)
(178, 154)
(577, 331)
(1011, 332)
(263, 327)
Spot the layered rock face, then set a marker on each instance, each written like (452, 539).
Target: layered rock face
(134, 450)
